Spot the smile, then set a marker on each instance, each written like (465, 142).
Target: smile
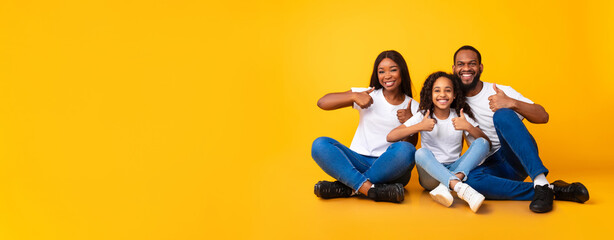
(389, 83)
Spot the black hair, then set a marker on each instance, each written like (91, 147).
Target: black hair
(467, 47)
(426, 94)
(399, 60)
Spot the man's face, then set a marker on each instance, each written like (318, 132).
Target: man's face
(467, 68)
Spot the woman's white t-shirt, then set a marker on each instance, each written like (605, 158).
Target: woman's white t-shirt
(480, 106)
(376, 122)
(444, 141)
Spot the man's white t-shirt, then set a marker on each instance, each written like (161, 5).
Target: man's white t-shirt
(376, 122)
(481, 110)
(445, 142)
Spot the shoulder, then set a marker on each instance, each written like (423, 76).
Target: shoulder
(360, 89)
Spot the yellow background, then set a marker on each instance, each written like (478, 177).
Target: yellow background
(194, 119)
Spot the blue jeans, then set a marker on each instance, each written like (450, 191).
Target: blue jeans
(446, 172)
(353, 169)
(502, 175)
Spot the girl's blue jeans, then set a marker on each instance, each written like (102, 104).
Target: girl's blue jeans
(353, 169)
(445, 172)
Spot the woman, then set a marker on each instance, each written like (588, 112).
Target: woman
(371, 165)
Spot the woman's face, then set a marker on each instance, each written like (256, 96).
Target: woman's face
(443, 93)
(389, 74)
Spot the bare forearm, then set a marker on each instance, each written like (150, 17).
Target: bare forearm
(338, 100)
(401, 132)
(534, 113)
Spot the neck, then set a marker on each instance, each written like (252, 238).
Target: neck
(394, 97)
(475, 90)
(441, 113)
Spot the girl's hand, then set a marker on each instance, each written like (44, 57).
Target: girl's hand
(363, 99)
(404, 114)
(461, 123)
(427, 122)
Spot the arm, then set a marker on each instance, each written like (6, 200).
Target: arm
(534, 113)
(338, 100)
(461, 123)
(402, 132)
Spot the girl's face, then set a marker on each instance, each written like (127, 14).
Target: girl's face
(443, 93)
(389, 74)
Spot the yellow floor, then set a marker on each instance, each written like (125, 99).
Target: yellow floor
(285, 207)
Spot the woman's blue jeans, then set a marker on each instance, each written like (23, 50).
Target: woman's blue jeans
(353, 169)
(445, 172)
(502, 175)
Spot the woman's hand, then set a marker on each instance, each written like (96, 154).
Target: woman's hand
(404, 114)
(363, 99)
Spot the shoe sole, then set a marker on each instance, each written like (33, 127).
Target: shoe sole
(316, 189)
(442, 200)
(400, 197)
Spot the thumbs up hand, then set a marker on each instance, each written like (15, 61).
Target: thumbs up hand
(461, 123)
(404, 114)
(363, 99)
(499, 100)
(427, 123)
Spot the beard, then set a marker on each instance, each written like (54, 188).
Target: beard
(473, 84)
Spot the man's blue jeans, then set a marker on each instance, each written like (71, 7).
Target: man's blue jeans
(446, 172)
(502, 175)
(353, 169)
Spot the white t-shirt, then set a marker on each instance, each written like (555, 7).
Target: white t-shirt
(376, 122)
(444, 141)
(481, 110)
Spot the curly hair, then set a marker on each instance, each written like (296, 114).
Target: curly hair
(404, 71)
(426, 94)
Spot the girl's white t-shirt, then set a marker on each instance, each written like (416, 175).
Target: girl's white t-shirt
(444, 141)
(480, 106)
(376, 122)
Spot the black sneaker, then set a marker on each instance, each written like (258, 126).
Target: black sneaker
(542, 200)
(336, 189)
(575, 192)
(393, 192)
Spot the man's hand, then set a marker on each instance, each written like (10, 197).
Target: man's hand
(500, 100)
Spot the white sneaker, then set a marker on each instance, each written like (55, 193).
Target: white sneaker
(471, 196)
(442, 195)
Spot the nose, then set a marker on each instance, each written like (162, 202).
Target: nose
(388, 75)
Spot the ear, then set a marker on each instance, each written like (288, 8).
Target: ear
(481, 68)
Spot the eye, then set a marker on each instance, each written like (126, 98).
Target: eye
(393, 70)
(473, 64)
(380, 72)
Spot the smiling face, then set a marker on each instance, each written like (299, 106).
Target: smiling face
(389, 74)
(443, 93)
(467, 68)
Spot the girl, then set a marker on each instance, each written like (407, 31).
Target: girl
(443, 117)
(371, 165)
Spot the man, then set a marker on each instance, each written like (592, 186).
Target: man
(499, 111)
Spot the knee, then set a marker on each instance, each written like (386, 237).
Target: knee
(421, 155)
(319, 144)
(404, 148)
(503, 115)
(481, 141)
